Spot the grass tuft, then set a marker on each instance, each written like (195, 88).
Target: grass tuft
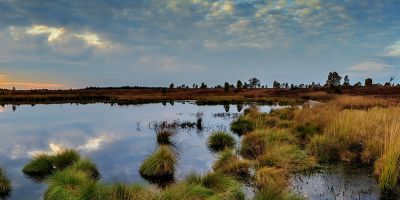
(232, 165)
(88, 167)
(160, 166)
(219, 141)
(242, 126)
(5, 185)
(121, 191)
(39, 168)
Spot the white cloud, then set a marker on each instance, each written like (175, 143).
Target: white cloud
(221, 8)
(370, 66)
(393, 50)
(92, 39)
(53, 32)
(58, 37)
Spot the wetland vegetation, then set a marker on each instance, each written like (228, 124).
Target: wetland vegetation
(263, 153)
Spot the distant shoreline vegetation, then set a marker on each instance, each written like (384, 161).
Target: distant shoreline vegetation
(239, 93)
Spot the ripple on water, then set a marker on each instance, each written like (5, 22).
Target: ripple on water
(353, 184)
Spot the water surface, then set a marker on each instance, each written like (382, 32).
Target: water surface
(117, 138)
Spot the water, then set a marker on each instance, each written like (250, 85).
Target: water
(342, 184)
(118, 139)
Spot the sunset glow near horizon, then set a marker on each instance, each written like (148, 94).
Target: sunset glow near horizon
(72, 44)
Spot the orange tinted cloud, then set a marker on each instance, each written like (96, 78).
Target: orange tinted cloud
(5, 82)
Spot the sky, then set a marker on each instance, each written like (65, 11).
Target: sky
(74, 43)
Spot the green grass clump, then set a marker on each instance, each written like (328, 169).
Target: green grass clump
(232, 165)
(219, 141)
(73, 185)
(5, 185)
(88, 167)
(65, 158)
(44, 165)
(253, 144)
(224, 186)
(121, 191)
(186, 191)
(242, 126)
(325, 148)
(160, 165)
(39, 168)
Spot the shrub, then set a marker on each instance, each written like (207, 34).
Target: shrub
(325, 148)
(242, 126)
(160, 166)
(219, 141)
(5, 185)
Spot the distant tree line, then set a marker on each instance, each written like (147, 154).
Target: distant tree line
(333, 82)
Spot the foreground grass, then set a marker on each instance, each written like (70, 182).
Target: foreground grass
(78, 181)
(356, 130)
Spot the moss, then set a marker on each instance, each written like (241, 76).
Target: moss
(219, 141)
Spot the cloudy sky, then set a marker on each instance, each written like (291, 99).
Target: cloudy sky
(75, 43)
